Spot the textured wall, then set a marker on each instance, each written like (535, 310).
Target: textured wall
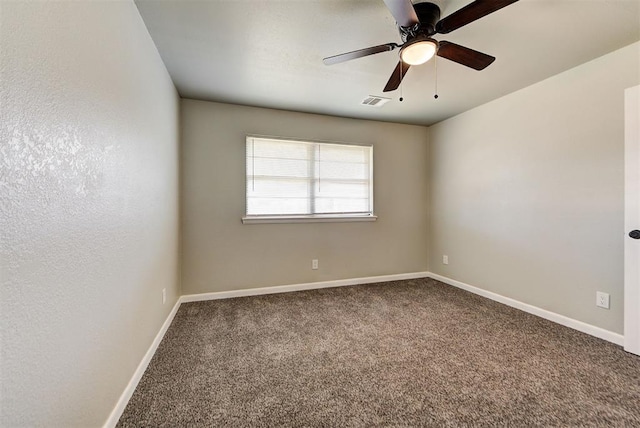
(527, 191)
(89, 213)
(220, 253)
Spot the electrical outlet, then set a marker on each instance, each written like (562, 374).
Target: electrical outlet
(164, 296)
(602, 299)
(314, 264)
(445, 260)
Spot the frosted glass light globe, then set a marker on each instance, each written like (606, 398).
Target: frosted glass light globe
(418, 52)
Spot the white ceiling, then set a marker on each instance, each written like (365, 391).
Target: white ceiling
(269, 53)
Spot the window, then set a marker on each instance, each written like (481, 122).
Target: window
(289, 180)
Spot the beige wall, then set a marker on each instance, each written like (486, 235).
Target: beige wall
(527, 191)
(220, 253)
(88, 208)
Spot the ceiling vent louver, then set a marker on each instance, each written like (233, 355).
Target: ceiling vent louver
(375, 101)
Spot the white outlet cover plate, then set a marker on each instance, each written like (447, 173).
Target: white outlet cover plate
(602, 299)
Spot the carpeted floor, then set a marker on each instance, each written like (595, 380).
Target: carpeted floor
(405, 353)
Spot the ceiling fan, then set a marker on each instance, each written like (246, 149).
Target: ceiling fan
(417, 24)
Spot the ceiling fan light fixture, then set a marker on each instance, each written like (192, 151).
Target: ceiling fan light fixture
(418, 52)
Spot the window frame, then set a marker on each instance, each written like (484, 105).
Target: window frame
(310, 218)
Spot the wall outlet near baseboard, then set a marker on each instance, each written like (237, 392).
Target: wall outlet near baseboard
(445, 259)
(314, 264)
(602, 300)
(164, 296)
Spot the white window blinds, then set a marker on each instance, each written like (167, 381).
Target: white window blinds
(289, 178)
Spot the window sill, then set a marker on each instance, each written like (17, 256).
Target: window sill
(308, 219)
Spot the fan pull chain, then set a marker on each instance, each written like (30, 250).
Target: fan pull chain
(401, 65)
(435, 65)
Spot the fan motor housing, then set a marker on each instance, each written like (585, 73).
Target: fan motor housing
(428, 15)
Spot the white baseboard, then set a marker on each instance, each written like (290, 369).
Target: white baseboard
(137, 375)
(300, 287)
(592, 330)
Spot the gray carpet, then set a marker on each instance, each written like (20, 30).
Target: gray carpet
(405, 353)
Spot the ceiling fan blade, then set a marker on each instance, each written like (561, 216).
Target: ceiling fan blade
(403, 12)
(465, 56)
(396, 77)
(359, 53)
(470, 13)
